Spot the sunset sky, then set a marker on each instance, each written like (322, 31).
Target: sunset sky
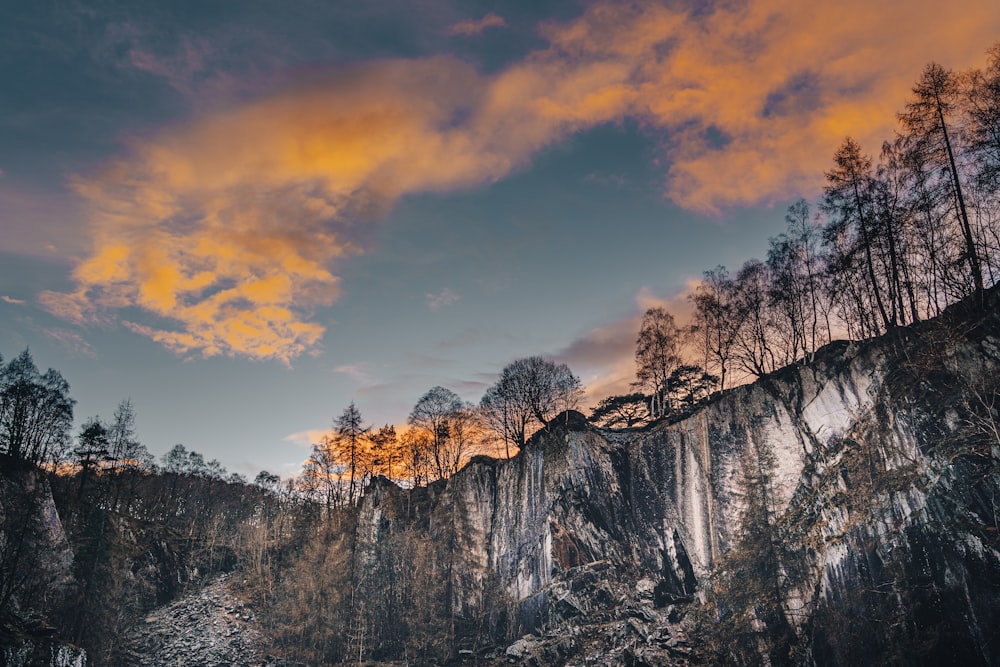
(245, 215)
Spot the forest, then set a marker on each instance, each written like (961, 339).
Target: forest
(901, 232)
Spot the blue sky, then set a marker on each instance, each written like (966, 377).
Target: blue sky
(246, 219)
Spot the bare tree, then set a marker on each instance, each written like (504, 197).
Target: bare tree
(983, 129)
(715, 321)
(36, 411)
(657, 355)
(752, 347)
(528, 394)
(321, 474)
(350, 443)
(928, 132)
(437, 414)
(796, 294)
(385, 450)
(848, 198)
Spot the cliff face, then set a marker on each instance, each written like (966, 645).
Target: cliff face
(35, 562)
(881, 483)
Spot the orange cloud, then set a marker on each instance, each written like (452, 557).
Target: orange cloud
(755, 96)
(227, 231)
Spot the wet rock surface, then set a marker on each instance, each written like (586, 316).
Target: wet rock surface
(210, 627)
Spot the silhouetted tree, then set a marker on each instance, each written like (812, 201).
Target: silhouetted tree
(928, 133)
(624, 411)
(716, 325)
(528, 394)
(848, 198)
(321, 474)
(92, 450)
(181, 461)
(657, 355)
(438, 413)
(385, 450)
(688, 385)
(752, 346)
(36, 411)
(983, 128)
(795, 293)
(350, 442)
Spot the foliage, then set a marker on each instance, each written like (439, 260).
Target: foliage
(621, 411)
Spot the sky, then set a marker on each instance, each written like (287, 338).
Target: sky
(244, 216)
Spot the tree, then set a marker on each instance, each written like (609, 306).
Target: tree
(436, 414)
(180, 461)
(94, 446)
(752, 346)
(848, 197)
(268, 481)
(715, 322)
(983, 130)
(688, 385)
(529, 393)
(928, 133)
(505, 416)
(124, 447)
(36, 411)
(350, 444)
(416, 445)
(657, 355)
(624, 411)
(795, 292)
(385, 449)
(893, 212)
(321, 476)
(92, 450)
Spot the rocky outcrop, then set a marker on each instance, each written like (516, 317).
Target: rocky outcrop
(882, 480)
(36, 565)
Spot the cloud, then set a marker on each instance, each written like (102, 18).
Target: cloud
(752, 98)
(443, 298)
(472, 27)
(307, 438)
(223, 236)
(12, 300)
(71, 341)
(231, 61)
(358, 372)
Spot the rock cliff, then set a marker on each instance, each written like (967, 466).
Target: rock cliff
(35, 561)
(881, 482)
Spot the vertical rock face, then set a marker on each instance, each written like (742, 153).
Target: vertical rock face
(35, 561)
(883, 483)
